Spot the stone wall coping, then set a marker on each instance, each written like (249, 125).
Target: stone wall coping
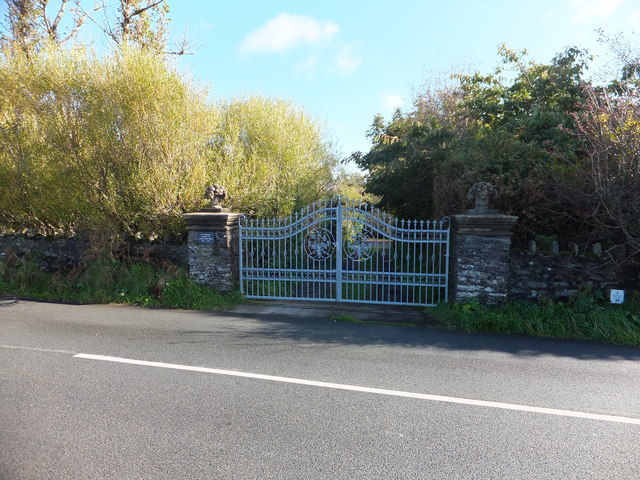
(484, 224)
(208, 220)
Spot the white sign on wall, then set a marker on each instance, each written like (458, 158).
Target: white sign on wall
(616, 296)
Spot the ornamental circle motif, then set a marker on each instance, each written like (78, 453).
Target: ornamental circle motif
(359, 247)
(319, 244)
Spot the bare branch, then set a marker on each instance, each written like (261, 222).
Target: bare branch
(144, 9)
(56, 21)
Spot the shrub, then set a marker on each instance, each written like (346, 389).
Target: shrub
(585, 316)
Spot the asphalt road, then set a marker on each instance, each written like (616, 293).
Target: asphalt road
(290, 394)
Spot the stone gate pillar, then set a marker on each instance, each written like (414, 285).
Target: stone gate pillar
(213, 244)
(480, 254)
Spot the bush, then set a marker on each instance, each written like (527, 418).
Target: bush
(111, 145)
(585, 316)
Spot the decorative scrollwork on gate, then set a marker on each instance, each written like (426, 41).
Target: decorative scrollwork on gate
(319, 243)
(359, 246)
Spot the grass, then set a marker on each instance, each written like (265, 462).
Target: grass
(586, 316)
(110, 281)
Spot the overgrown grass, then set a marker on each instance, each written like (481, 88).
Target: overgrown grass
(111, 281)
(586, 316)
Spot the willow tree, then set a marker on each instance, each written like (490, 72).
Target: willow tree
(114, 144)
(271, 156)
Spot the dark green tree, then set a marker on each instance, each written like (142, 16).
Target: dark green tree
(510, 128)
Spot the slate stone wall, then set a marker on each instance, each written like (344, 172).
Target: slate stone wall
(560, 276)
(66, 253)
(51, 253)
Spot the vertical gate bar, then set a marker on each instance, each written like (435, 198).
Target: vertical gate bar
(322, 284)
(298, 266)
(408, 261)
(240, 256)
(369, 284)
(339, 250)
(282, 261)
(269, 258)
(403, 263)
(256, 255)
(415, 248)
(310, 265)
(376, 252)
(254, 258)
(425, 288)
(263, 247)
(436, 259)
(252, 242)
(446, 264)
(391, 260)
(307, 273)
(440, 266)
(426, 264)
(407, 277)
(432, 272)
(420, 256)
(251, 282)
(439, 262)
(276, 257)
(369, 271)
(287, 260)
(260, 258)
(264, 258)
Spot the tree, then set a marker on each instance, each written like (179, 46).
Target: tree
(352, 185)
(116, 145)
(601, 188)
(142, 23)
(271, 156)
(28, 24)
(505, 130)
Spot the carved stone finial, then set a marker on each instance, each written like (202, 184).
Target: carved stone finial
(216, 193)
(481, 192)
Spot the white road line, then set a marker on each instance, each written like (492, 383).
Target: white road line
(378, 391)
(36, 349)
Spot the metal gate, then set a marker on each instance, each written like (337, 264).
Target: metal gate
(342, 250)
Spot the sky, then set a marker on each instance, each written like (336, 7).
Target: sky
(344, 61)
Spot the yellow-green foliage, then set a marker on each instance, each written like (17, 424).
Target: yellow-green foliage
(115, 144)
(125, 144)
(270, 155)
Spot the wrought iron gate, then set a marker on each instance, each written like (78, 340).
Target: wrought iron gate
(341, 250)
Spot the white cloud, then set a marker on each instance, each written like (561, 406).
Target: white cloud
(392, 101)
(346, 60)
(285, 32)
(588, 10)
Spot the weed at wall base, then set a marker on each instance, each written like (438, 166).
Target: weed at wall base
(585, 316)
(111, 281)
